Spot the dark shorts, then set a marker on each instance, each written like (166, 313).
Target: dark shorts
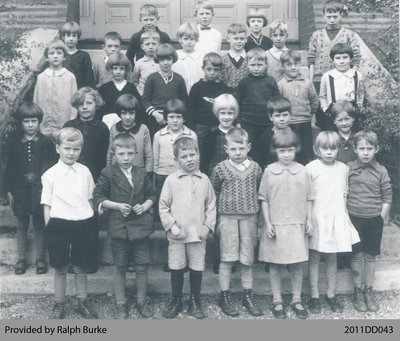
(370, 231)
(138, 249)
(70, 242)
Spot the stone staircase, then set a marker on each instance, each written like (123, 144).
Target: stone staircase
(387, 274)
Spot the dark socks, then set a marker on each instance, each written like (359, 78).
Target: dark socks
(177, 282)
(195, 282)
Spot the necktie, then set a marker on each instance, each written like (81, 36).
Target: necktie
(205, 28)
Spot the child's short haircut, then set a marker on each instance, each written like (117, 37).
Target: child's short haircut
(203, 5)
(188, 30)
(175, 106)
(285, 139)
(341, 106)
(126, 102)
(79, 97)
(278, 104)
(368, 135)
(112, 36)
(56, 44)
(69, 134)
(278, 25)
(257, 54)
(148, 10)
(214, 58)
(165, 51)
(341, 48)
(150, 35)
(225, 101)
(326, 139)
(119, 59)
(70, 27)
(123, 141)
(333, 6)
(236, 28)
(257, 13)
(29, 110)
(290, 55)
(236, 135)
(184, 143)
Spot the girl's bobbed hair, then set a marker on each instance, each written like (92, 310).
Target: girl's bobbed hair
(29, 110)
(285, 139)
(325, 140)
(79, 97)
(165, 51)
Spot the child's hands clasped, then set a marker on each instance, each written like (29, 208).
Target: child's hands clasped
(125, 209)
(138, 209)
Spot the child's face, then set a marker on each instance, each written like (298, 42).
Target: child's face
(280, 120)
(286, 155)
(237, 152)
(187, 43)
(292, 68)
(328, 155)
(69, 151)
(175, 121)
(256, 25)
(87, 109)
(211, 72)
(149, 22)
(332, 19)
(55, 57)
(118, 72)
(278, 38)
(188, 160)
(111, 46)
(226, 117)
(257, 67)
(366, 151)
(341, 62)
(149, 47)
(71, 39)
(30, 126)
(166, 64)
(204, 17)
(128, 118)
(344, 122)
(237, 41)
(124, 156)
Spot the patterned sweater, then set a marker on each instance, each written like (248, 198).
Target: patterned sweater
(320, 46)
(236, 191)
(232, 74)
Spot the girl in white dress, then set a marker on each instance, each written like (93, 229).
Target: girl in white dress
(333, 231)
(285, 192)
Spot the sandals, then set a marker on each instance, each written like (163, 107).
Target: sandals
(20, 267)
(41, 267)
(280, 313)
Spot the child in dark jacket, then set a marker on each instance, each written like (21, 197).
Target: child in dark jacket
(127, 192)
(30, 154)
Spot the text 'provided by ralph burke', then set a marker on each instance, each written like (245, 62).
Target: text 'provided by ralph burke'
(57, 330)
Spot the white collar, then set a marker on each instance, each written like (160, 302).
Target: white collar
(65, 168)
(49, 72)
(240, 166)
(234, 54)
(128, 170)
(337, 74)
(193, 55)
(185, 131)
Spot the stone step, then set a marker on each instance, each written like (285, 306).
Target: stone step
(386, 278)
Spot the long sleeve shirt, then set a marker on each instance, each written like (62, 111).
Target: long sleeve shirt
(187, 200)
(80, 64)
(369, 188)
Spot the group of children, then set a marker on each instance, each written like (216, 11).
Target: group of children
(244, 159)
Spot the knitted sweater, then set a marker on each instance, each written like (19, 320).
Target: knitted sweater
(80, 64)
(265, 43)
(320, 45)
(232, 74)
(274, 65)
(236, 191)
(253, 96)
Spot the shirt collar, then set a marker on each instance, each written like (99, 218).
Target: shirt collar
(65, 168)
(93, 122)
(337, 74)
(147, 58)
(276, 168)
(34, 139)
(242, 166)
(129, 170)
(234, 54)
(166, 130)
(199, 28)
(184, 55)
(182, 173)
(300, 77)
(132, 130)
(276, 51)
(49, 72)
(358, 164)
